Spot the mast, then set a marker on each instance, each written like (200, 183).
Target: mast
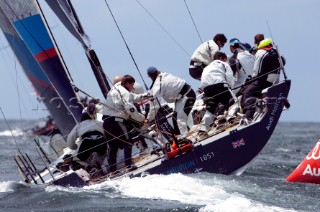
(68, 16)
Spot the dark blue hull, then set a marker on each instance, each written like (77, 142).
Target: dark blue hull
(236, 148)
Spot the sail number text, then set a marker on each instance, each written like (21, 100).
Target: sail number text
(207, 156)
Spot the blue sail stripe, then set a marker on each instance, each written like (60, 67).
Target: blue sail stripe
(34, 33)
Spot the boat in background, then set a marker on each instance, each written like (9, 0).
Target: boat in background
(308, 171)
(228, 147)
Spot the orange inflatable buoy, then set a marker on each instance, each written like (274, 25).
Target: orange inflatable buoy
(180, 150)
(309, 169)
(174, 145)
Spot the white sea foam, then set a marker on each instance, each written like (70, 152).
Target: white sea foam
(16, 132)
(185, 189)
(8, 186)
(283, 150)
(209, 195)
(240, 204)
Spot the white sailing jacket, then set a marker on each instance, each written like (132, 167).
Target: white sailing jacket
(205, 52)
(119, 103)
(267, 65)
(167, 86)
(217, 72)
(258, 61)
(81, 128)
(247, 62)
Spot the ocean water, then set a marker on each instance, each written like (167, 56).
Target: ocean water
(262, 187)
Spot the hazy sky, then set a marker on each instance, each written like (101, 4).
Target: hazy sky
(293, 23)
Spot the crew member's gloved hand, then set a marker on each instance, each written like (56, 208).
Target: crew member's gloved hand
(146, 95)
(145, 125)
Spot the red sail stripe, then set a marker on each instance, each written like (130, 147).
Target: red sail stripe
(40, 82)
(46, 54)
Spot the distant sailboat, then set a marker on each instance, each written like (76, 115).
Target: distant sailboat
(227, 150)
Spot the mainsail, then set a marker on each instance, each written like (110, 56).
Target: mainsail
(30, 40)
(65, 12)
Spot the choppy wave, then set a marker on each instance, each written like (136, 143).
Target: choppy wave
(260, 188)
(8, 186)
(184, 189)
(8, 133)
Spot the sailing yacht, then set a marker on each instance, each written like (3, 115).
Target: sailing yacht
(228, 149)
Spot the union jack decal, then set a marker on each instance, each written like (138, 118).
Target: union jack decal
(238, 143)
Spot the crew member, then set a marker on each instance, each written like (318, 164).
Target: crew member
(91, 138)
(266, 72)
(120, 118)
(241, 63)
(173, 90)
(216, 80)
(203, 55)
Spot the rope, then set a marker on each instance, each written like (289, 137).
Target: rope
(194, 24)
(166, 31)
(87, 94)
(15, 141)
(277, 49)
(129, 118)
(126, 45)
(158, 132)
(18, 93)
(114, 137)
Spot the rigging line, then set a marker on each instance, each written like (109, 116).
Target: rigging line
(54, 40)
(8, 53)
(194, 24)
(101, 103)
(157, 121)
(109, 106)
(280, 59)
(10, 131)
(106, 141)
(166, 31)
(63, 62)
(254, 79)
(128, 118)
(74, 65)
(12, 77)
(126, 45)
(18, 93)
(248, 82)
(244, 85)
